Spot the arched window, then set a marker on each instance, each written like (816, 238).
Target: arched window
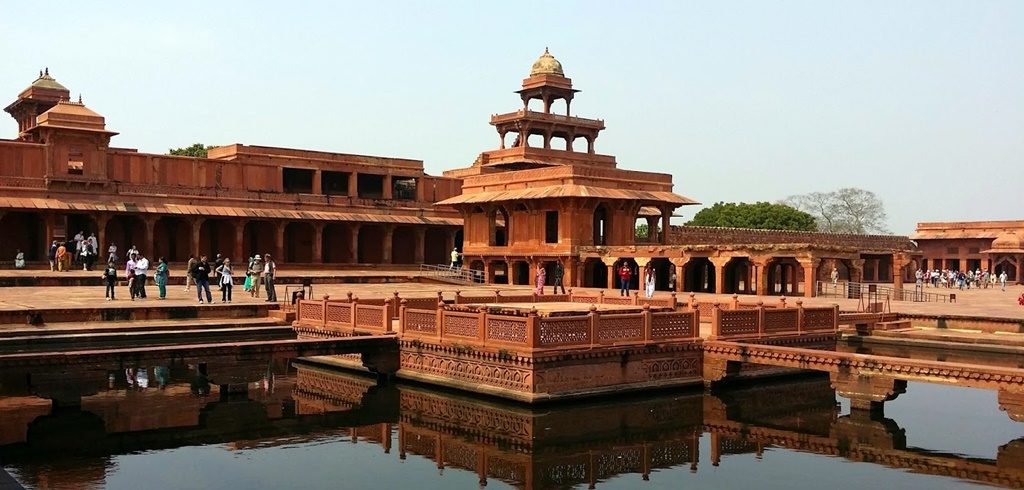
(499, 227)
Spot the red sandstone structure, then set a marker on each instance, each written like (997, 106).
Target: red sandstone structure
(61, 176)
(527, 206)
(995, 246)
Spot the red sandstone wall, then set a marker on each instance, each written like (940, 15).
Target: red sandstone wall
(22, 160)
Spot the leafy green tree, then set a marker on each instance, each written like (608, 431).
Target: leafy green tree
(197, 150)
(762, 215)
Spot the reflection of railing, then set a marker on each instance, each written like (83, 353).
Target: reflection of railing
(857, 290)
(458, 275)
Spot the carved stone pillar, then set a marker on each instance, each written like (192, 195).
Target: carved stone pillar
(421, 244)
(197, 225)
(857, 270)
(761, 274)
(899, 261)
(609, 262)
(810, 267)
(239, 251)
(388, 187)
(354, 245)
(389, 233)
(101, 235)
(680, 265)
(353, 185)
(150, 222)
(318, 243)
(720, 263)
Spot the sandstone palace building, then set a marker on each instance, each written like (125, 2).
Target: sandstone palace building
(545, 196)
(61, 176)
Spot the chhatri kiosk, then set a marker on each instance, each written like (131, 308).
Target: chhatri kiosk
(545, 192)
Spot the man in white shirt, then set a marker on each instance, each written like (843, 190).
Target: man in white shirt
(1002, 280)
(141, 269)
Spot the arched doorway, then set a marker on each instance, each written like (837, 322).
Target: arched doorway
(126, 231)
(1007, 265)
(298, 242)
(784, 276)
(217, 236)
(25, 232)
(371, 244)
(602, 225)
(172, 239)
(595, 274)
(259, 238)
(738, 277)
(699, 275)
(403, 245)
(337, 243)
(662, 273)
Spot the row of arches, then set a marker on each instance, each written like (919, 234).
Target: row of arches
(175, 238)
(610, 225)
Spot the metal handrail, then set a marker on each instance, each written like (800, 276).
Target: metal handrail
(463, 275)
(855, 290)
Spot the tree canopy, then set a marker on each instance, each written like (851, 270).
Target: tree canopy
(847, 210)
(196, 150)
(762, 215)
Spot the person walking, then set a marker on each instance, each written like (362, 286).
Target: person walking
(160, 278)
(52, 256)
(625, 276)
(217, 262)
(455, 258)
(112, 252)
(649, 282)
(542, 275)
(1002, 280)
(61, 255)
(141, 271)
(247, 285)
(269, 272)
(556, 277)
(129, 273)
(189, 280)
(835, 277)
(226, 281)
(110, 280)
(257, 276)
(201, 274)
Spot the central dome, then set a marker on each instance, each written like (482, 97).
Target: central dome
(1008, 241)
(546, 65)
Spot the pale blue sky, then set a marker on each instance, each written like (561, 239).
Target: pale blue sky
(921, 102)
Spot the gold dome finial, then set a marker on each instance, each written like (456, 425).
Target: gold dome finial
(546, 65)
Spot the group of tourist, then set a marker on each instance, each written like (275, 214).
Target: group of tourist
(954, 279)
(557, 274)
(199, 271)
(649, 279)
(62, 255)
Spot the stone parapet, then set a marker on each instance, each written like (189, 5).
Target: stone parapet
(709, 235)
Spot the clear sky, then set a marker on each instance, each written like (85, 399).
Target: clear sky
(921, 102)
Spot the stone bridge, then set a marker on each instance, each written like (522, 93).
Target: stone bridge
(867, 380)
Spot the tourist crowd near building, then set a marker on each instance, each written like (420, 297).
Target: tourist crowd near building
(993, 248)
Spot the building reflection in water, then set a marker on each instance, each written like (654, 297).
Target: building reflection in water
(52, 435)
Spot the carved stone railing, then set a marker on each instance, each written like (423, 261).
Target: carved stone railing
(709, 235)
(781, 321)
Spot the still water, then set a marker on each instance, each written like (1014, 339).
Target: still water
(281, 424)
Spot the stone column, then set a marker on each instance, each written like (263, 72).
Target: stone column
(761, 274)
(449, 240)
(899, 261)
(150, 222)
(317, 182)
(354, 246)
(239, 251)
(318, 242)
(279, 227)
(680, 265)
(666, 223)
(857, 270)
(388, 187)
(353, 185)
(488, 272)
(389, 233)
(719, 263)
(101, 236)
(810, 267)
(421, 244)
(197, 224)
(609, 262)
